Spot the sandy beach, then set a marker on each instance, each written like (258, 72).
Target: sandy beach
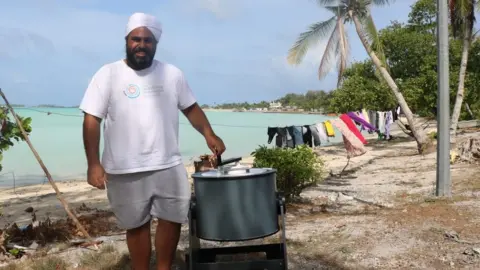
(43, 199)
(380, 214)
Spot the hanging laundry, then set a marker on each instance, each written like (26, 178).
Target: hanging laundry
(304, 130)
(290, 142)
(349, 123)
(365, 115)
(278, 141)
(307, 135)
(322, 132)
(271, 132)
(364, 123)
(296, 133)
(352, 143)
(381, 122)
(329, 129)
(388, 124)
(394, 115)
(283, 134)
(372, 115)
(315, 135)
(359, 115)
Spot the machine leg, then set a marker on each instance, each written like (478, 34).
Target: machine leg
(281, 202)
(194, 243)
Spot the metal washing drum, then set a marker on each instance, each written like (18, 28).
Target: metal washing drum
(233, 204)
(236, 203)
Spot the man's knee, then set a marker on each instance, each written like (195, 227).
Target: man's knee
(168, 223)
(139, 229)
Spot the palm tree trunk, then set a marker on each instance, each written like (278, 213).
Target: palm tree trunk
(418, 133)
(472, 116)
(461, 80)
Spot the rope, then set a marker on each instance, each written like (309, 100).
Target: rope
(74, 115)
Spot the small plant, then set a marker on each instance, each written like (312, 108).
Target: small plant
(10, 131)
(297, 168)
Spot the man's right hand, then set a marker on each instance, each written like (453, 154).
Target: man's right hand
(96, 176)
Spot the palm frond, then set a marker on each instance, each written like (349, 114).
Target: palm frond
(329, 54)
(339, 10)
(308, 38)
(462, 16)
(342, 51)
(327, 2)
(382, 2)
(371, 33)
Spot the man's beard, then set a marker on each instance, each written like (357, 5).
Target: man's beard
(139, 63)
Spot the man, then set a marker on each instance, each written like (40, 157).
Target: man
(138, 98)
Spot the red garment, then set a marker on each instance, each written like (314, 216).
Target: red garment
(353, 128)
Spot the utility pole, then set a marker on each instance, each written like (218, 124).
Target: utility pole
(444, 185)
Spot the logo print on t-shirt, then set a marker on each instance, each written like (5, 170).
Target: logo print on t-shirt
(132, 91)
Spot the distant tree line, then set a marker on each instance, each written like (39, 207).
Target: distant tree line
(313, 99)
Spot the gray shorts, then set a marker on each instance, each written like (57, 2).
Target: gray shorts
(136, 198)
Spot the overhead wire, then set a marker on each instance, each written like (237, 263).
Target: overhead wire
(79, 115)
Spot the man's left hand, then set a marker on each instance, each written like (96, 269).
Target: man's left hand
(215, 144)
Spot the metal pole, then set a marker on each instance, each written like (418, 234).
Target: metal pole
(444, 187)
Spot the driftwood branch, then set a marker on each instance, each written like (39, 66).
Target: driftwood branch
(47, 173)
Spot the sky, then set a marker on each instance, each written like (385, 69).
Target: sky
(229, 50)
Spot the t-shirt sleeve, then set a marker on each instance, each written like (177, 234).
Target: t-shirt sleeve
(184, 93)
(96, 97)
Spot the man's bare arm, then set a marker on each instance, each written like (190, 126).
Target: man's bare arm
(91, 138)
(198, 119)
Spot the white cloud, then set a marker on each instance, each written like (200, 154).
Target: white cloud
(18, 78)
(217, 7)
(307, 69)
(221, 9)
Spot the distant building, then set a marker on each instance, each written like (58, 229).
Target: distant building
(275, 105)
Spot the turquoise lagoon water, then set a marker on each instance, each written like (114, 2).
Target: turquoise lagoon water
(58, 139)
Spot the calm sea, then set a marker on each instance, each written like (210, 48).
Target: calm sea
(58, 139)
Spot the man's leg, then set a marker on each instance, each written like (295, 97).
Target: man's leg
(140, 246)
(171, 201)
(130, 198)
(166, 241)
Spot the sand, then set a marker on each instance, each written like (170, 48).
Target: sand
(381, 214)
(44, 200)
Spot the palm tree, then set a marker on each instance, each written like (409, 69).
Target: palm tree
(462, 17)
(358, 12)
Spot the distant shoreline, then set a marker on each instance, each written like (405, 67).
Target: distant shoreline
(217, 110)
(205, 109)
(294, 112)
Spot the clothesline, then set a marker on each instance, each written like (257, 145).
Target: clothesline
(81, 115)
(363, 125)
(349, 124)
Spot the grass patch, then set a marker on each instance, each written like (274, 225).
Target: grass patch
(107, 258)
(47, 263)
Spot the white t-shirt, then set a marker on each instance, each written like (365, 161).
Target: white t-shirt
(141, 112)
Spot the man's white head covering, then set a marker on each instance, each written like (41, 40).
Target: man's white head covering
(144, 20)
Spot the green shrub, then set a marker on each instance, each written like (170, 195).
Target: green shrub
(10, 132)
(297, 168)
